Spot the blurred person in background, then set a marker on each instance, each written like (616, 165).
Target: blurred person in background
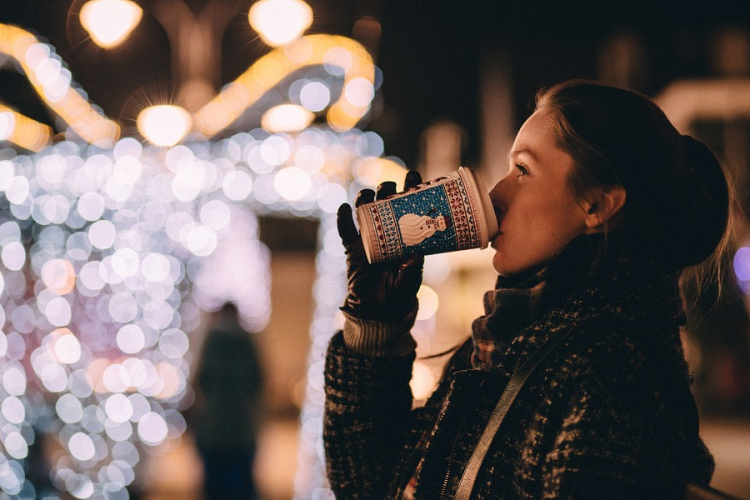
(227, 412)
(605, 207)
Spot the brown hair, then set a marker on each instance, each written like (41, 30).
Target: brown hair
(677, 207)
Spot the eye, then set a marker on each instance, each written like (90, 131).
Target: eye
(522, 170)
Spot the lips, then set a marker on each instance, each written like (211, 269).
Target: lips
(495, 238)
(498, 215)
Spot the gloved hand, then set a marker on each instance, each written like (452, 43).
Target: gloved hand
(385, 290)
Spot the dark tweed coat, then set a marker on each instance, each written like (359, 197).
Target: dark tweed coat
(609, 415)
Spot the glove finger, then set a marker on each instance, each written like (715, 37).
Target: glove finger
(411, 269)
(414, 260)
(413, 178)
(385, 189)
(364, 196)
(345, 224)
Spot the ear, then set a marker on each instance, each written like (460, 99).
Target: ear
(605, 205)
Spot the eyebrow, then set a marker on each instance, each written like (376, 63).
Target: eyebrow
(514, 153)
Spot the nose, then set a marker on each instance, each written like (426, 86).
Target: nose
(499, 199)
(499, 194)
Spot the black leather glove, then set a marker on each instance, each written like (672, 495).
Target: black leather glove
(385, 290)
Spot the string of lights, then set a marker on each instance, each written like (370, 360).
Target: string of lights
(109, 250)
(101, 283)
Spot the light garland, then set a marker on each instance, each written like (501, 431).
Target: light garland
(340, 55)
(112, 243)
(52, 82)
(23, 131)
(107, 249)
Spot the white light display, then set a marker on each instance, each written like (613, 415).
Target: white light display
(103, 284)
(109, 250)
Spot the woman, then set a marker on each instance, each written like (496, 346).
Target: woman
(604, 207)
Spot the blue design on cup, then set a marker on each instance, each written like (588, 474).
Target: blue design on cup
(446, 214)
(425, 222)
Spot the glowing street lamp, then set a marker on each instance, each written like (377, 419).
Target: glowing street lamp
(109, 22)
(164, 125)
(280, 22)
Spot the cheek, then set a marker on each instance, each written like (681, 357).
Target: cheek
(536, 234)
(538, 216)
(557, 226)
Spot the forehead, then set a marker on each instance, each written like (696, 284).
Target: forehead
(537, 146)
(537, 134)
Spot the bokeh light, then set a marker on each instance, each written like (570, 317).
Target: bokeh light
(109, 250)
(7, 124)
(109, 22)
(287, 118)
(280, 22)
(23, 131)
(52, 81)
(164, 125)
(101, 303)
(340, 56)
(423, 380)
(428, 302)
(315, 96)
(741, 265)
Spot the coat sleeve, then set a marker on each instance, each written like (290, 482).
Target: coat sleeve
(366, 421)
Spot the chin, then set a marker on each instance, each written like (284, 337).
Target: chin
(497, 265)
(509, 270)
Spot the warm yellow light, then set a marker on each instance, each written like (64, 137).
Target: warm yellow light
(7, 124)
(95, 374)
(55, 91)
(280, 22)
(372, 170)
(286, 118)
(23, 131)
(109, 22)
(428, 302)
(59, 276)
(169, 379)
(278, 64)
(423, 380)
(164, 125)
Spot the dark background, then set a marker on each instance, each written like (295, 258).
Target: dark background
(430, 52)
(431, 55)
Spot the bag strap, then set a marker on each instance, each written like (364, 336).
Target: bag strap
(509, 395)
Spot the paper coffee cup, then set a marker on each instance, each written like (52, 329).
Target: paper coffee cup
(442, 215)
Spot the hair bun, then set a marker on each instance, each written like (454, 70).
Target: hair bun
(701, 214)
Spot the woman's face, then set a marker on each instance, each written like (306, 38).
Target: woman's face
(536, 210)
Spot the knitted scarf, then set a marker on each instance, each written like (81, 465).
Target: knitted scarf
(577, 286)
(508, 310)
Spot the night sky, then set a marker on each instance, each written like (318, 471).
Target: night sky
(430, 52)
